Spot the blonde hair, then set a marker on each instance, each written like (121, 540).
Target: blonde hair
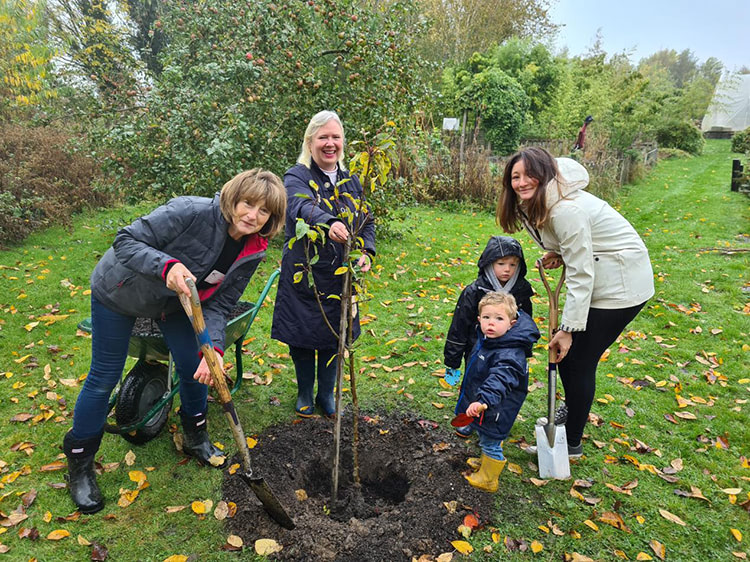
(254, 186)
(315, 124)
(494, 298)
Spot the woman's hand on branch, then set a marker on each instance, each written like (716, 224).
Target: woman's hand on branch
(176, 278)
(551, 260)
(364, 263)
(338, 232)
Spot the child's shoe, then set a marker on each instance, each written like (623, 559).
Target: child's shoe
(464, 432)
(486, 477)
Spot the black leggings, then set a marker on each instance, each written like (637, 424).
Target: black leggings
(578, 369)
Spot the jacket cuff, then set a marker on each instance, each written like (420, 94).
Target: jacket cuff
(219, 351)
(167, 267)
(566, 328)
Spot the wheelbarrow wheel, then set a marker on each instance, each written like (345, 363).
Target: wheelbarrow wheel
(143, 387)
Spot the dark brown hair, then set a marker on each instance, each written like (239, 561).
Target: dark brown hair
(539, 165)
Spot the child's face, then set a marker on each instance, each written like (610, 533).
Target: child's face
(505, 267)
(494, 320)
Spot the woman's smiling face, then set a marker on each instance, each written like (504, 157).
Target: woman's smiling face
(326, 145)
(524, 185)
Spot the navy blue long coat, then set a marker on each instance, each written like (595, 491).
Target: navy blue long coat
(497, 375)
(297, 320)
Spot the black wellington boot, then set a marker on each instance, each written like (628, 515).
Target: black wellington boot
(197, 444)
(81, 474)
(325, 398)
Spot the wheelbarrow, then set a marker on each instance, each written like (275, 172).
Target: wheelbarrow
(144, 397)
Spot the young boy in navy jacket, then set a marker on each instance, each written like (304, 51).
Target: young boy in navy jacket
(496, 381)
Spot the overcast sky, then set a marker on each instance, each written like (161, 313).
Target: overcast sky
(718, 28)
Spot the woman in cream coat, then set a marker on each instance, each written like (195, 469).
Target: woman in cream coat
(608, 272)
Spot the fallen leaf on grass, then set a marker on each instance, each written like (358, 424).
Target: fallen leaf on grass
(221, 511)
(614, 519)
(58, 534)
(463, 547)
(201, 507)
(471, 521)
(671, 517)
(536, 547)
(658, 548)
(589, 523)
(176, 558)
(736, 534)
(643, 556)
(577, 557)
(174, 508)
(83, 542)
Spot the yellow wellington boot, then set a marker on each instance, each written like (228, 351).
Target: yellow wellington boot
(487, 476)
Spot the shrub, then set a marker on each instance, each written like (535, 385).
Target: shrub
(741, 141)
(42, 181)
(680, 134)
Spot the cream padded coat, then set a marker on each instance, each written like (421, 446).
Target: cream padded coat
(607, 263)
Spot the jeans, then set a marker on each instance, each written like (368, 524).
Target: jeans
(110, 335)
(491, 447)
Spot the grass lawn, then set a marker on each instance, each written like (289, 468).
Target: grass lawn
(667, 455)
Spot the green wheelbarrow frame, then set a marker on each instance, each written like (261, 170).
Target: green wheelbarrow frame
(152, 351)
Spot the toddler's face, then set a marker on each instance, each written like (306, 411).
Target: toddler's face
(494, 320)
(505, 267)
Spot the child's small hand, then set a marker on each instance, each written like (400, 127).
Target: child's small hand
(475, 409)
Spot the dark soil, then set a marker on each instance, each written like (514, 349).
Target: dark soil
(409, 468)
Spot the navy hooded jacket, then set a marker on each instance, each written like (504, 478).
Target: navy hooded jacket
(462, 334)
(497, 375)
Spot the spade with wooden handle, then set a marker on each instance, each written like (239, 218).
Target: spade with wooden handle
(258, 485)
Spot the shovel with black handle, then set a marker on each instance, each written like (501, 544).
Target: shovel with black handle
(258, 485)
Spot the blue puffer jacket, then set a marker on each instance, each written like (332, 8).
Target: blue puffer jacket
(297, 320)
(130, 277)
(498, 376)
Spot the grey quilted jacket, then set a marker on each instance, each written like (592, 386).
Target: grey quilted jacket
(130, 277)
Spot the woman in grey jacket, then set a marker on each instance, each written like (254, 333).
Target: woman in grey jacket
(608, 272)
(218, 243)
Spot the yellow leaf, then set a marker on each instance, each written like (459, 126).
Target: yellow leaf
(30, 326)
(736, 534)
(251, 443)
(536, 547)
(130, 458)
(264, 547)
(58, 534)
(643, 556)
(137, 476)
(198, 507)
(732, 491)
(590, 523)
(496, 537)
(301, 494)
(341, 270)
(83, 542)
(671, 517)
(463, 547)
(514, 468)
(658, 548)
(176, 558)
(438, 405)
(444, 384)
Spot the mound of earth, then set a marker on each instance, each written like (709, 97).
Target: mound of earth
(411, 501)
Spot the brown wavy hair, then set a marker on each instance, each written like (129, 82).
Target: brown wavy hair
(540, 165)
(254, 186)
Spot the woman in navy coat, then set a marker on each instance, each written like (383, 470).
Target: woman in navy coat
(297, 317)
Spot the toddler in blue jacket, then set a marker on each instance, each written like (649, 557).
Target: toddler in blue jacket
(496, 380)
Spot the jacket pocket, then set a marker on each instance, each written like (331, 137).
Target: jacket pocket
(609, 277)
